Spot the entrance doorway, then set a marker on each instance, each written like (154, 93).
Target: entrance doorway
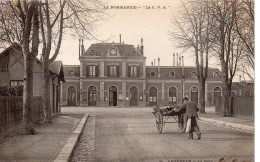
(72, 96)
(153, 96)
(133, 96)
(195, 95)
(112, 96)
(172, 95)
(217, 93)
(92, 96)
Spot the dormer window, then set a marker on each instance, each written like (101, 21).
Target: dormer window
(216, 74)
(92, 52)
(193, 74)
(71, 73)
(133, 53)
(172, 74)
(113, 52)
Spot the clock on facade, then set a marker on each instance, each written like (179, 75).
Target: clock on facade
(113, 51)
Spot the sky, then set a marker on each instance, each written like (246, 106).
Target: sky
(152, 25)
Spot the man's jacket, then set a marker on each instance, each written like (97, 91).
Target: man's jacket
(191, 109)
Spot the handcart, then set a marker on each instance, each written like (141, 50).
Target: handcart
(163, 113)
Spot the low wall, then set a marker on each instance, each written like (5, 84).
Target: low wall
(243, 107)
(240, 106)
(11, 113)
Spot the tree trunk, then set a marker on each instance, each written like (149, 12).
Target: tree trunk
(46, 93)
(226, 93)
(202, 97)
(28, 94)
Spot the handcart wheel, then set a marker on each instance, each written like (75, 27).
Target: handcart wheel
(181, 124)
(159, 122)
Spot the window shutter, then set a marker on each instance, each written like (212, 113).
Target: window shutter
(117, 71)
(138, 71)
(87, 71)
(129, 71)
(97, 70)
(108, 71)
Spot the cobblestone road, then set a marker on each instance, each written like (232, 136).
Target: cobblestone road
(85, 150)
(129, 134)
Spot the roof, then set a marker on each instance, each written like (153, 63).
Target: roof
(102, 49)
(189, 72)
(75, 69)
(56, 67)
(13, 46)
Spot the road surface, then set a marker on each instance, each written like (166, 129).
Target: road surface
(129, 134)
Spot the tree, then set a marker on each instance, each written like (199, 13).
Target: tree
(25, 16)
(227, 46)
(80, 17)
(245, 28)
(194, 30)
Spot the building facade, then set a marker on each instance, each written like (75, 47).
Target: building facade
(12, 74)
(115, 74)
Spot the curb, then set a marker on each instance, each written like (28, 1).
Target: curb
(240, 127)
(68, 148)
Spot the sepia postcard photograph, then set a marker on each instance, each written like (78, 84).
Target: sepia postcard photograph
(127, 81)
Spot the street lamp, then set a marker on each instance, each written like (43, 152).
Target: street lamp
(182, 77)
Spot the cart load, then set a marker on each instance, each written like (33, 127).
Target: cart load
(163, 113)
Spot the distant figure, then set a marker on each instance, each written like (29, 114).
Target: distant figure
(190, 117)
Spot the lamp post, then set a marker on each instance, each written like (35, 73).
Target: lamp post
(182, 77)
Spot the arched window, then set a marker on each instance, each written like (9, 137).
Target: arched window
(71, 73)
(92, 52)
(193, 74)
(195, 95)
(216, 74)
(216, 93)
(172, 95)
(152, 73)
(172, 74)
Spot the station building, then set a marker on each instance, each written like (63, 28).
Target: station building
(115, 74)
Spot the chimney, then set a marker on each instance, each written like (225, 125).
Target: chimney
(120, 38)
(239, 78)
(159, 67)
(173, 59)
(142, 47)
(82, 47)
(182, 65)
(177, 59)
(182, 60)
(152, 63)
(79, 48)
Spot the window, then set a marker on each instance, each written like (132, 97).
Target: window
(193, 74)
(216, 74)
(133, 53)
(172, 95)
(71, 73)
(112, 70)
(247, 93)
(171, 74)
(16, 83)
(4, 66)
(92, 52)
(152, 73)
(133, 71)
(92, 70)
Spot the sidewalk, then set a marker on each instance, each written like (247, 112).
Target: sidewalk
(245, 125)
(45, 146)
